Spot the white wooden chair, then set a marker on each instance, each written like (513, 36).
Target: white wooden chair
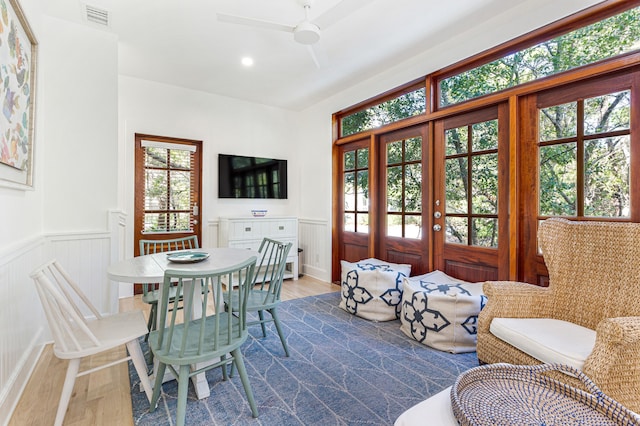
(76, 337)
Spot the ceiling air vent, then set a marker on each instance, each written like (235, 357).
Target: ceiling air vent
(96, 15)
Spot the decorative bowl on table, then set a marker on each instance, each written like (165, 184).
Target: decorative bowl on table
(258, 213)
(187, 256)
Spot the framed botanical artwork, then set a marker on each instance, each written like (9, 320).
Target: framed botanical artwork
(18, 57)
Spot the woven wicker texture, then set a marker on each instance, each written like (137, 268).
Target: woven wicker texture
(504, 394)
(594, 281)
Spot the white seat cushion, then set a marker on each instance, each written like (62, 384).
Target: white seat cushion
(435, 411)
(547, 340)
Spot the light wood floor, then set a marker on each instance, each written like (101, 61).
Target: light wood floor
(103, 398)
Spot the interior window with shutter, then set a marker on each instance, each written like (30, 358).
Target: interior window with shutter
(169, 198)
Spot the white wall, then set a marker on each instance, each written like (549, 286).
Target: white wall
(65, 215)
(80, 118)
(225, 125)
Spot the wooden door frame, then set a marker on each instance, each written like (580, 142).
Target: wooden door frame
(505, 264)
(379, 236)
(139, 192)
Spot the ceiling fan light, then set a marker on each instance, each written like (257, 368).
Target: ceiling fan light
(306, 33)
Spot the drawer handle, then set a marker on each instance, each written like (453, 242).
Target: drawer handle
(248, 229)
(281, 228)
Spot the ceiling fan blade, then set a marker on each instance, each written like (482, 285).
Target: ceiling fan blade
(339, 11)
(258, 23)
(318, 55)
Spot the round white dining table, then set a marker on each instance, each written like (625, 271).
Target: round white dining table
(150, 269)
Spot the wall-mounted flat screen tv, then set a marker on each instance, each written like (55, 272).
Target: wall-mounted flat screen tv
(251, 177)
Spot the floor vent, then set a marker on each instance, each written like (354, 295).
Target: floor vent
(96, 15)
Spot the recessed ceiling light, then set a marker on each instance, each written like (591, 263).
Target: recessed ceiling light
(247, 61)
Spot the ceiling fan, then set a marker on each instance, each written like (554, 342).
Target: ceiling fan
(305, 32)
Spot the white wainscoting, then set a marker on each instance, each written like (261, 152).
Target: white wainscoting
(23, 327)
(22, 323)
(315, 241)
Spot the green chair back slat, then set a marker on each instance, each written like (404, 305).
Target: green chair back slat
(264, 295)
(213, 339)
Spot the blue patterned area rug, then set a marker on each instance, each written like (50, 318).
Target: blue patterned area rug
(343, 370)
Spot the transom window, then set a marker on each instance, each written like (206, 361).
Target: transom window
(403, 106)
(604, 39)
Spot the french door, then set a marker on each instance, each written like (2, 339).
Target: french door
(381, 193)
(403, 191)
(471, 195)
(167, 189)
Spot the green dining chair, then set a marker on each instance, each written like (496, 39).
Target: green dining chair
(150, 293)
(264, 295)
(208, 342)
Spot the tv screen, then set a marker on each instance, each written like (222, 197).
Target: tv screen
(251, 177)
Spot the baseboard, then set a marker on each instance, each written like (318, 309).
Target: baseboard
(10, 396)
(317, 273)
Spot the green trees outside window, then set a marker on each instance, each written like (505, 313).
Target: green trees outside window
(601, 40)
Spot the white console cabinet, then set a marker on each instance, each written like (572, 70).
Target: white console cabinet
(248, 232)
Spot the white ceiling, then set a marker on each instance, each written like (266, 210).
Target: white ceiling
(181, 42)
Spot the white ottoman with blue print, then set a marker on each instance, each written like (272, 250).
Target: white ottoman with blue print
(372, 288)
(441, 311)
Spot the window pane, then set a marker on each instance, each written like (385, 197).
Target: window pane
(154, 222)
(349, 191)
(485, 232)
(558, 180)
(363, 190)
(607, 172)
(456, 140)
(394, 189)
(484, 136)
(350, 222)
(413, 226)
(607, 113)
(363, 223)
(413, 188)
(155, 196)
(394, 152)
(413, 149)
(394, 225)
(178, 221)
(456, 185)
(349, 160)
(484, 177)
(180, 190)
(363, 158)
(558, 122)
(155, 157)
(457, 230)
(180, 159)
(404, 106)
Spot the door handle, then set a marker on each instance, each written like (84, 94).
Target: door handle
(437, 227)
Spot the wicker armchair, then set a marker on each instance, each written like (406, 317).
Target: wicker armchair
(594, 281)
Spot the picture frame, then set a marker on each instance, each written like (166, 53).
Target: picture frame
(18, 61)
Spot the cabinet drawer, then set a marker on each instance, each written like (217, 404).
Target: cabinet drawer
(283, 228)
(246, 230)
